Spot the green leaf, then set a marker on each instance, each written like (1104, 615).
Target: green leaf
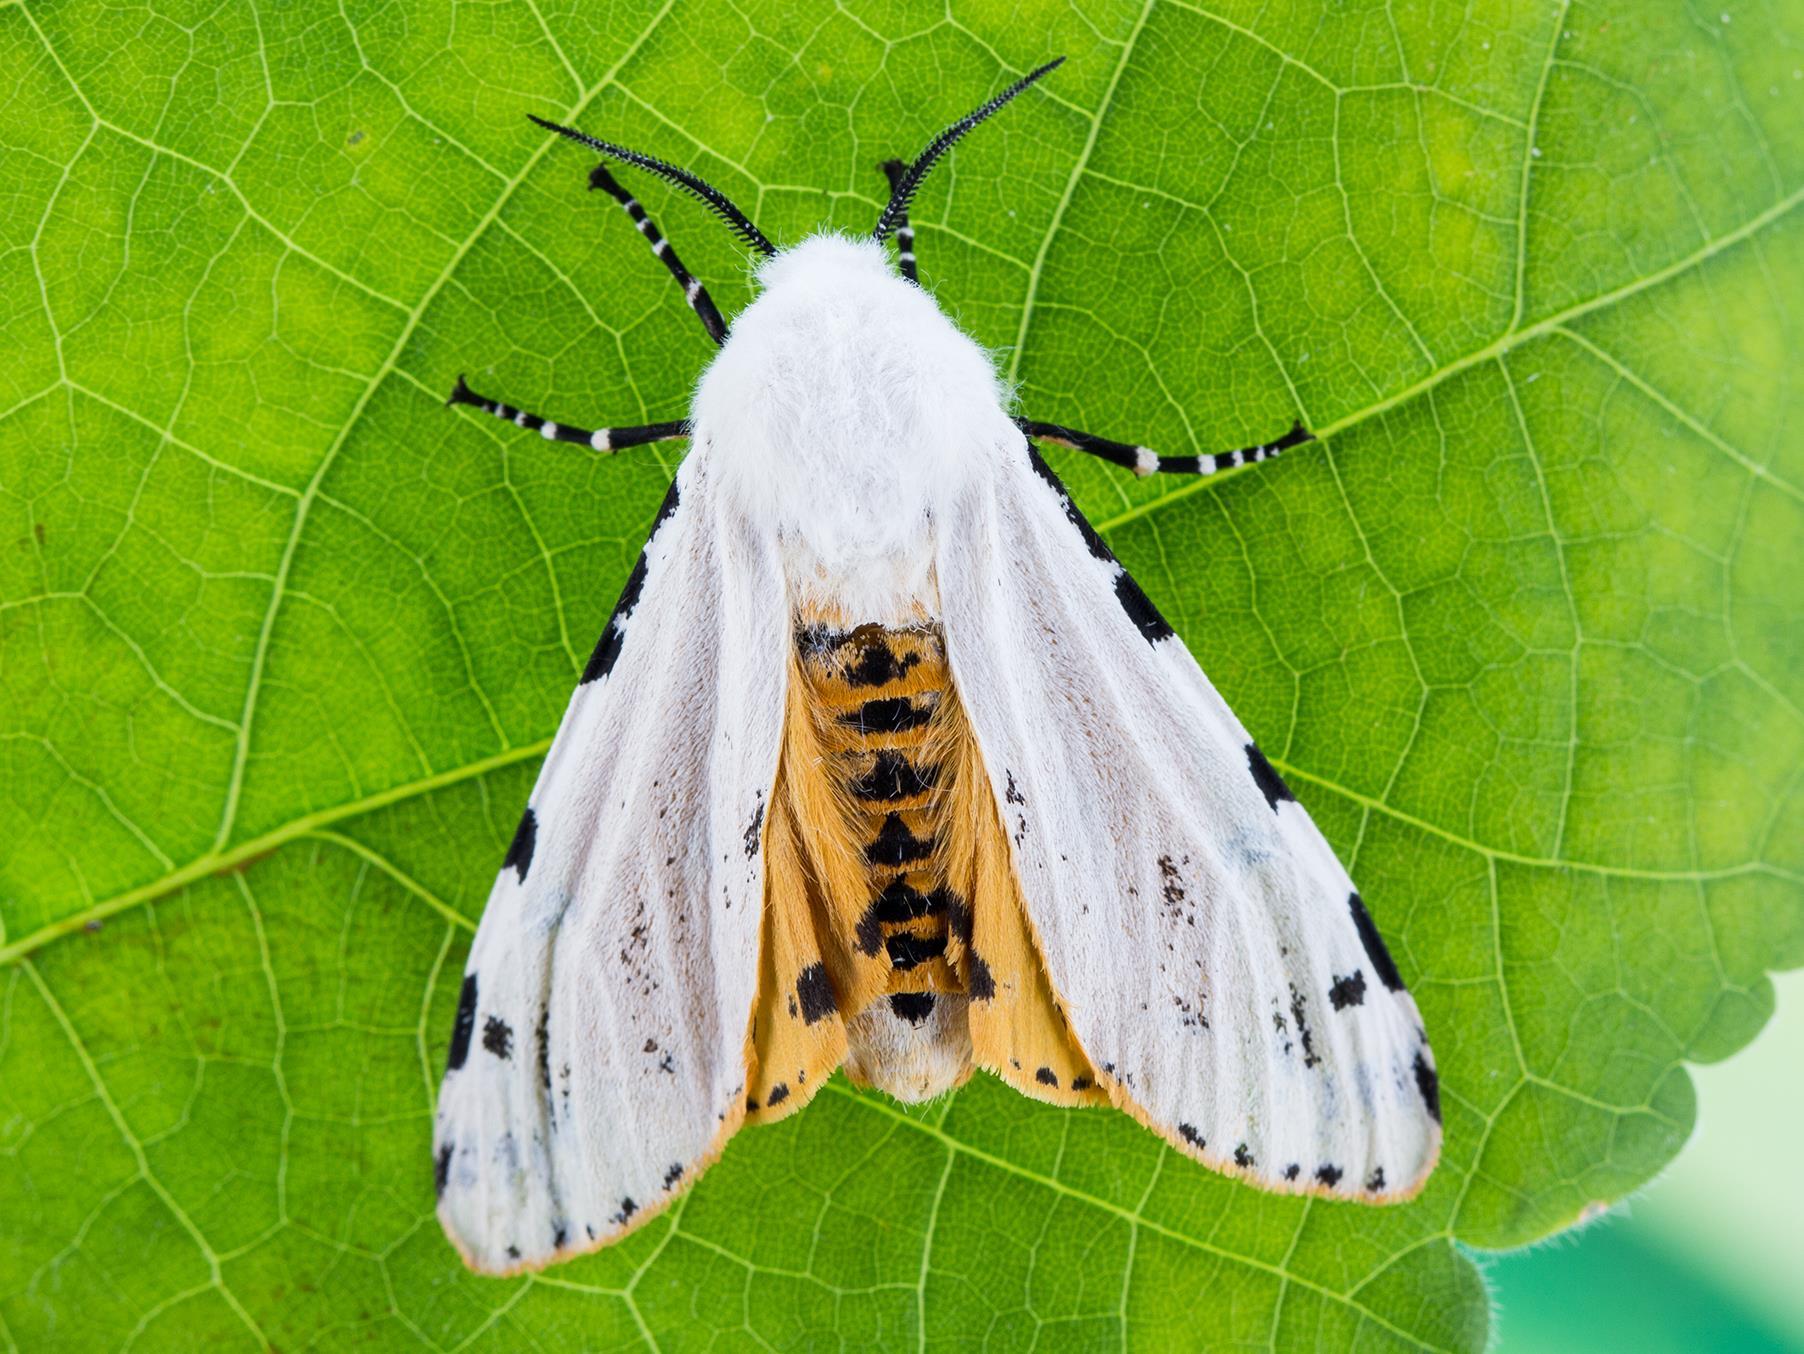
(282, 640)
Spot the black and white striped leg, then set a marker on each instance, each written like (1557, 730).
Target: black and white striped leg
(905, 235)
(696, 294)
(1145, 461)
(596, 439)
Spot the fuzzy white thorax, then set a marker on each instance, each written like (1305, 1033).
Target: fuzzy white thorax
(844, 413)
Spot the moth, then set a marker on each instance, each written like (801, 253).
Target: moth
(884, 762)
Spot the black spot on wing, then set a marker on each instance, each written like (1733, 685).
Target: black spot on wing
(465, 1026)
(1189, 1134)
(914, 1007)
(754, 832)
(1046, 1076)
(441, 1169)
(1382, 963)
(1328, 1175)
(1140, 609)
(498, 1037)
(982, 984)
(1013, 795)
(1242, 1157)
(1305, 1035)
(542, 1036)
(1092, 541)
(627, 1209)
(1375, 1181)
(778, 1094)
(674, 1174)
(1292, 1171)
(1428, 1082)
(1082, 1082)
(1348, 991)
(894, 844)
(1266, 777)
(607, 648)
(815, 993)
(519, 851)
(666, 509)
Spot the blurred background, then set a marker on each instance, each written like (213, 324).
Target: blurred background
(1710, 1257)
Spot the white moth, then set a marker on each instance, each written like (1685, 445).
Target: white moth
(883, 761)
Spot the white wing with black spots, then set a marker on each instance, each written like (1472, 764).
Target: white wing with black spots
(597, 1060)
(1208, 949)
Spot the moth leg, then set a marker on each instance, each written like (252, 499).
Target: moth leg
(905, 234)
(596, 439)
(693, 291)
(1145, 461)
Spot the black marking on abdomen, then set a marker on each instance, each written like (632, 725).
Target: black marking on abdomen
(894, 844)
(914, 1007)
(1374, 943)
(877, 665)
(1266, 777)
(907, 950)
(893, 714)
(465, 1026)
(892, 776)
(519, 851)
(898, 903)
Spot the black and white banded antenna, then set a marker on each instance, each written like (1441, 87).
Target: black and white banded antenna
(910, 180)
(716, 201)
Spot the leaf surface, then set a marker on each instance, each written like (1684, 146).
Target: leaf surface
(282, 640)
